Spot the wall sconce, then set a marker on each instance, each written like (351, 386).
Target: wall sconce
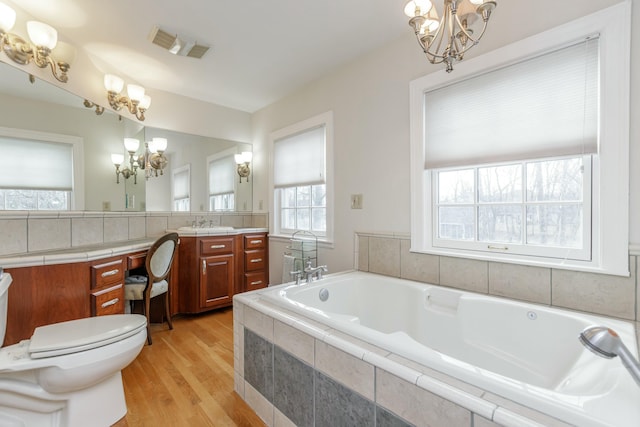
(131, 145)
(45, 45)
(243, 160)
(153, 159)
(136, 101)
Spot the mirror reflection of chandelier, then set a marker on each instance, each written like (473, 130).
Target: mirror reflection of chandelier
(151, 161)
(447, 39)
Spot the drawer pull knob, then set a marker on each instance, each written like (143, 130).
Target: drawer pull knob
(218, 246)
(256, 242)
(257, 282)
(256, 260)
(110, 273)
(204, 266)
(110, 302)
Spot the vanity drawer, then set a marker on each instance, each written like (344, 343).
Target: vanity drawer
(108, 301)
(217, 245)
(107, 273)
(254, 260)
(255, 241)
(136, 260)
(253, 281)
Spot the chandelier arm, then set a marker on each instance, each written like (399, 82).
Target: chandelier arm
(474, 41)
(62, 78)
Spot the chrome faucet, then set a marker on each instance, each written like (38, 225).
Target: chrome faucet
(310, 271)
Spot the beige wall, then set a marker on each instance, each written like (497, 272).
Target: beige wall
(370, 101)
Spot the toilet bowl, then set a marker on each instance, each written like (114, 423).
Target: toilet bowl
(69, 373)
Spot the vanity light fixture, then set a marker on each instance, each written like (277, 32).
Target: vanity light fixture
(44, 49)
(131, 145)
(153, 158)
(242, 160)
(448, 39)
(136, 101)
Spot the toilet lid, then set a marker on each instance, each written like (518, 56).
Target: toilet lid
(83, 334)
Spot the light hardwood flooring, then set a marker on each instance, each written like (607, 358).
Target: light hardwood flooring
(186, 377)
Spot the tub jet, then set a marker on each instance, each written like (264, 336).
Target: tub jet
(606, 343)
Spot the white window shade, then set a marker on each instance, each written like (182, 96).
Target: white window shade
(222, 175)
(496, 116)
(181, 181)
(37, 165)
(299, 159)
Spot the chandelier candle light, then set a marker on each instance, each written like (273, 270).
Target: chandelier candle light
(447, 39)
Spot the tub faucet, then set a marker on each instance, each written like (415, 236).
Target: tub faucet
(606, 343)
(310, 271)
(297, 275)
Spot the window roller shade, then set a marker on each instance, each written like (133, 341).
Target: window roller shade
(496, 116)
(222, 175)
(299, 159)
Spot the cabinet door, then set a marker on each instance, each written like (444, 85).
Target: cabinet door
(217, 280)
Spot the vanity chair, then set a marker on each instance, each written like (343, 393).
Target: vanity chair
(158, 268)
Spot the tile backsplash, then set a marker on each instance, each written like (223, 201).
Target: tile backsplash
(23, 232)
(601, 294)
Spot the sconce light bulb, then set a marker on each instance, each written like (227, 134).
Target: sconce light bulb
(117, 159)
(7, 18)
(131, 144)
(64, 52)
(113, 83)
(145, 103)
(42, 34)
(160, 144)
(135, 92)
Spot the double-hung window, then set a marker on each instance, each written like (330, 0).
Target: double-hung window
(301, 182)
(181, 184)
(521, 157)
(222, 179)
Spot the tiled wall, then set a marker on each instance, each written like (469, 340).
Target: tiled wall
(607, 295)
(24, 232)
(293, 371)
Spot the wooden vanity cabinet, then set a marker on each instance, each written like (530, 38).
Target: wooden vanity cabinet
(214, 268)
(107, 286)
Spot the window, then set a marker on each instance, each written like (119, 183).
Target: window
(182, 189)
(514, 158)
(52, 177)
(222, 178)
(302, 178)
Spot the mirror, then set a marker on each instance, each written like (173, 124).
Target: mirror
(43, 107)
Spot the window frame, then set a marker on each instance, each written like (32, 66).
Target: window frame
(76, 195)
(610, 214)
(326, 120)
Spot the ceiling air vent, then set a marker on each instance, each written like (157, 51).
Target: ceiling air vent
(176, 45)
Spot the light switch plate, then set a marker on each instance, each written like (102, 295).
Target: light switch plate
(356, 201)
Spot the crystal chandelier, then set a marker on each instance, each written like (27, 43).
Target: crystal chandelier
(447, 39)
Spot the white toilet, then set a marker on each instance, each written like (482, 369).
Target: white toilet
(69, 373)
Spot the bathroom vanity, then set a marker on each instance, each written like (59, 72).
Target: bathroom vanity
(56, 286)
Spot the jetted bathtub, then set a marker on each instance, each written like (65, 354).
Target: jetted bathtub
(524, 352)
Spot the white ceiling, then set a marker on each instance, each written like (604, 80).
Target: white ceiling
(260, 50)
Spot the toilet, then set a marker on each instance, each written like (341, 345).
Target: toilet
(67, 374)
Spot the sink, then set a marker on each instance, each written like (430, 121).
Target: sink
(206, 229)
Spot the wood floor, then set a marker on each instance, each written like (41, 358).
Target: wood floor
(186, 377)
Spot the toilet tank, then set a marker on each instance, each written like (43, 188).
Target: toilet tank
(5, 282)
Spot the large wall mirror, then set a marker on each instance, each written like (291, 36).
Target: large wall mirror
(48, 109)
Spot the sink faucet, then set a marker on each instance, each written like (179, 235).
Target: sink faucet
(310, 271)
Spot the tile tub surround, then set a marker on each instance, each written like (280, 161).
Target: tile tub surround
(24, 232)
(294, 371)
(600, 294)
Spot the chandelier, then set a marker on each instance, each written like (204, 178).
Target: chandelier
(447, 39)
(151, 160)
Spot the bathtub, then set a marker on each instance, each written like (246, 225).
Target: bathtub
(524, 352)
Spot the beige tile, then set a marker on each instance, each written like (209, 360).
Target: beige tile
(479, 421)
(45, 234)
(417, 405)
(258, 403)
(116, 229)
(352, 372)
(294, 341)
(176, 221)
(259, 323)
(420, 267)
(14, 236)
(156, 225)
(232, 221)
(259, 221)
(521, 282)
(596, 293)
(87, 231)
(238, 384)
(462, 273)
(384, 256)
(137, 227)
(363, 253)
